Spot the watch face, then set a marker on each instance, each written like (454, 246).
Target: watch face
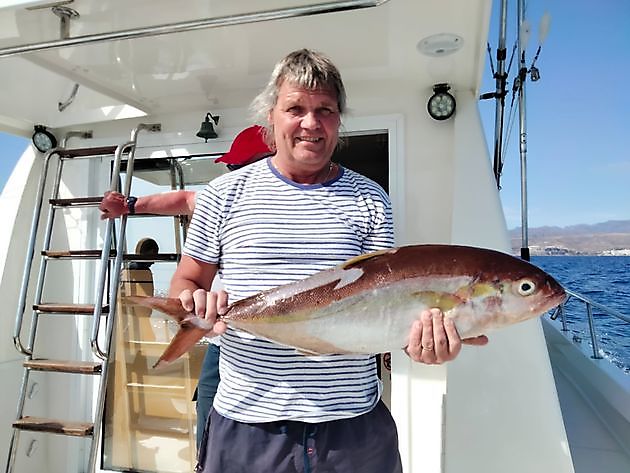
(43, 141)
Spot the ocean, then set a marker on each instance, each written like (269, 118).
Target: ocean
(602, 279)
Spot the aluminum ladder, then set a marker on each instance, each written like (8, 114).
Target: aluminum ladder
(105, 295)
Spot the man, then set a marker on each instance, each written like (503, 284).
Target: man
(276, 221)
(248, 147)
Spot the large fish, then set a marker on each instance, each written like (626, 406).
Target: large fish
(368, 303)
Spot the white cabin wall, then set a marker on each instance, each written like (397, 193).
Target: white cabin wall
(177, 129)
(477, 215)
(16, 204)
(423, 160)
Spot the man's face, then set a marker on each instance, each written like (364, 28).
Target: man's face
(306, 125)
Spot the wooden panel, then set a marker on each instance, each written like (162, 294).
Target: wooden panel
(76, 254)
(62, 366)
(54, 308)
(54, 426)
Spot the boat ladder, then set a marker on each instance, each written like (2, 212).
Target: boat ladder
(105, 295)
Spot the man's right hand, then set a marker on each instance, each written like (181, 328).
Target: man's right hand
(206, 305)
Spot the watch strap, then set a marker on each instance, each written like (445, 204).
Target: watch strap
(131, 204)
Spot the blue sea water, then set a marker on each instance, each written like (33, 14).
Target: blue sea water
(602, 279)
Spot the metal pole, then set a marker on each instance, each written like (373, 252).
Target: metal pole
(522, 77)
(113, 295)
(593, 332)
(500, 80)
(277, 14)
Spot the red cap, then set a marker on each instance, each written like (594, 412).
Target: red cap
(249, 145)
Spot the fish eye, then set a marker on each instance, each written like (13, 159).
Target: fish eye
(526, 287)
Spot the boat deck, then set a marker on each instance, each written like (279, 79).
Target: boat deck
(594, 447)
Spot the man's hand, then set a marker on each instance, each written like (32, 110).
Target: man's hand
(113, 205)
(434, 339)
(206, 305)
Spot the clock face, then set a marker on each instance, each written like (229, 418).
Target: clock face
(43, 141)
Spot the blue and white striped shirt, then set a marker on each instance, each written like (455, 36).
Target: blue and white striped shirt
(263, 231)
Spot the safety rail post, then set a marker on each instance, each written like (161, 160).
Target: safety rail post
(591, 327)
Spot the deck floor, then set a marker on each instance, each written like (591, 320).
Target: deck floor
(593, 448)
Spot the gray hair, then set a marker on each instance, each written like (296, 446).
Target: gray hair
(304, 68)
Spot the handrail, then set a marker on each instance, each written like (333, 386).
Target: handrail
(560, 310)
(115, 278)
(107, 243)
(613, 312)
(98, 305)
(28, 264)
(229, 20)
(177, 175)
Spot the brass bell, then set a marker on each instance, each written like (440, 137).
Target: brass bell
(207, 129)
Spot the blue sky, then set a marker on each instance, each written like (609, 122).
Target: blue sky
(578, 116)
(11, 148)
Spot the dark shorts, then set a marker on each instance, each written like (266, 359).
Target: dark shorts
(206, 388)
(363, 444)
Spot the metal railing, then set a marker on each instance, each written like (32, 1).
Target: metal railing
(589, 304)
(192, 25)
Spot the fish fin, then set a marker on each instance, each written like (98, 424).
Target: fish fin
(191, 327)
(186, 337)
(167, 305)
(444, 301)
(357, 259)
(475, 290)
(483, 289)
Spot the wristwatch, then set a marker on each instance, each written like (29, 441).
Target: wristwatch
(131, 204)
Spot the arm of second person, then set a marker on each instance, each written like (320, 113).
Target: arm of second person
(114, 204)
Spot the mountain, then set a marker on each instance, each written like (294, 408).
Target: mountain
(605, 238)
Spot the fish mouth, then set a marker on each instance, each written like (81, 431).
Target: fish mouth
(555, 294)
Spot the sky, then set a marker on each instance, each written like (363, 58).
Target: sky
(577, 115)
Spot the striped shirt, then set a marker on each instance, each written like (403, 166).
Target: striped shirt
(263, 230)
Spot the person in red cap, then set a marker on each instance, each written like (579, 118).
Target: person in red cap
(248, 146)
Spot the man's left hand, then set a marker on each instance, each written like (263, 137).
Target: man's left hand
(434, 339)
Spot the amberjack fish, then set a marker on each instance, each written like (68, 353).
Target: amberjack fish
(369, 303)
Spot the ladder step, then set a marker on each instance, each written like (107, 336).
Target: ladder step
(55, 308)
(76, 202)
(61, 366)
(76, 254)
(54, 426)
(95, 254)
(158, 257)
(86, 152)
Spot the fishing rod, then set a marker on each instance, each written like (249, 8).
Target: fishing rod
(521, 80)
(518, 91)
